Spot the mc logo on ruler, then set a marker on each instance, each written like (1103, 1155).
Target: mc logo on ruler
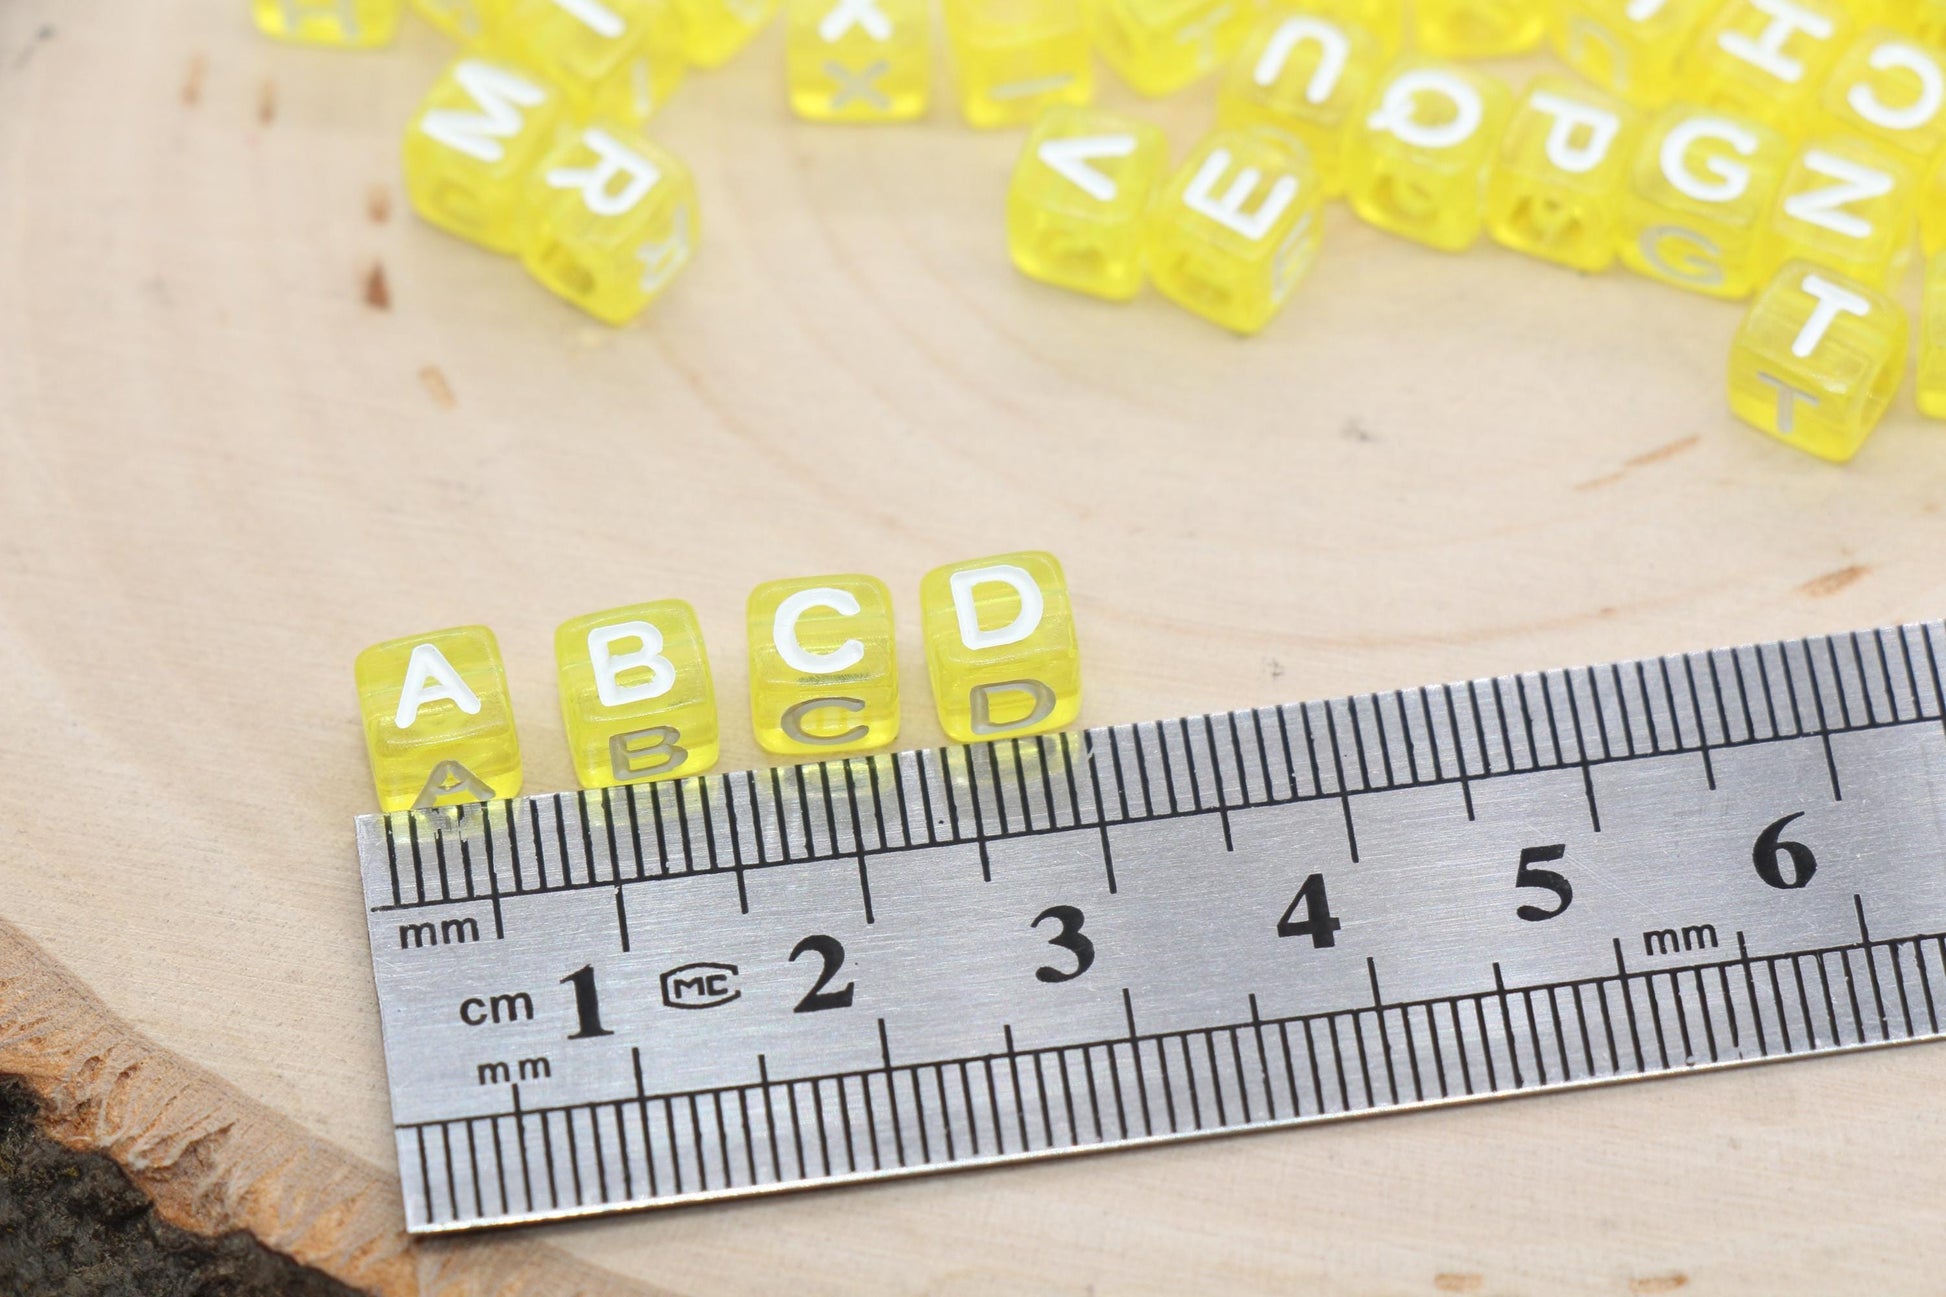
(960, 956)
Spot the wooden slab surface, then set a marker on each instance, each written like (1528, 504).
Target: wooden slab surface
(254, 416)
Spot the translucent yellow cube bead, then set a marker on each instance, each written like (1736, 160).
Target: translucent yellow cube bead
(1384, 19)
(1700, 186)
(469, 149)
(611, 220)
(1848, 205)
(1160, 46)
(1013, 58)
(1633, 48)
(1889, 88)
(1000, 647)
(1306, 74)
(1766, 59)
(1932, 341)
(470, 22)
(824, 675)
(636, 695)
(858, 60)
(618, 60)
(438, 723)
(1238, 227)
(1817, 360)
(1556, 187)
(343, 24)
(1078, 206)
(714, 30)
(1417, 160)
(1478, 29)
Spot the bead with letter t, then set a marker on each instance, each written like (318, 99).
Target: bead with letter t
(1817, 360)
(1000, 647)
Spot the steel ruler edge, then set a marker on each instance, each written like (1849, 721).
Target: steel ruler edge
(878, 966)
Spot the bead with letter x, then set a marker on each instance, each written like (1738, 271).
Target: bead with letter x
(860, 85)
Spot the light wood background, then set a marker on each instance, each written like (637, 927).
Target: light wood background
(254, 416)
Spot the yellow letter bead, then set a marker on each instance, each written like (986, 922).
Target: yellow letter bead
(636, 694)
(1078, 206)
(1160, 46)
(470, 22)
(1556, 187)
(1932, 341)
(611, 220)
(1848, 205)
(1237, 228)
(1765, 59)
(1700, 186)
(1817, 360)
(469, 149)
(1891, 89)
(1479, 29)
(1000, 647)
(714, 30)
(438, 722)
(1013, 58)
(614, 59)
(858, 60)
(1417, 161)
(343, 24)
(824, 672)
(1306, 74)
(1631, 47)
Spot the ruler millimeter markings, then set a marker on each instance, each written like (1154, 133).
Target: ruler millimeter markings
(741, 983)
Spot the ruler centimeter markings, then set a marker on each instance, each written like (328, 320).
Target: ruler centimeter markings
(740, 983)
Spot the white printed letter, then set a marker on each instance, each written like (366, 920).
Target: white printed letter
(1025, 623)
(1727, 180)
(428, 664)
(1855, 183)
(1581, 135)
(1767, 49)
(1228, 210)
(783, 632)
(1932, 88)
(1833, 300)
(1333, 52)
(609, 665)
(1070, 157)
(500, 96)
(597, 183)
(1395, 112)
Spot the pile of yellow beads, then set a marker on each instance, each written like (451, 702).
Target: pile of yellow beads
(1718, 145)
(638, 704)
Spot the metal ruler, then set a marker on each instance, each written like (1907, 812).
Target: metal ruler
(825, 973)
